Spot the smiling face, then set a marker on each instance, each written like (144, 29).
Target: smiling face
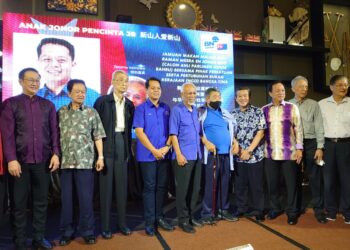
(340, 88)
(30, 83)
(278, 93)
(78, 93)
(154, 90)
(189, 95)
(55, 64)
(242, 98)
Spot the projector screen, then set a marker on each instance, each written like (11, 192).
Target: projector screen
(65, 48)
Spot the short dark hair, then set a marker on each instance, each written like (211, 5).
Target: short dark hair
(275, 83)
(244, 88)
(152, 79)
(72, 82)
(53, 40)
(25, 70)
(209, 91)
(336, 78)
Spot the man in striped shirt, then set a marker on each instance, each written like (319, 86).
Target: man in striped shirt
(283, 151)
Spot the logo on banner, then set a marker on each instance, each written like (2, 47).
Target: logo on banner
(214, 44)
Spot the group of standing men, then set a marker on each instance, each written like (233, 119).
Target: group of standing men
(293, 133)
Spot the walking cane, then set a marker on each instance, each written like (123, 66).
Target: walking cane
(214, 189)
(219, 182)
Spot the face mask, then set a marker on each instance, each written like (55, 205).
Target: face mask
(215, 105)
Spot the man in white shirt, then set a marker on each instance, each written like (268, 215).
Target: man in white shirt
(336, 121)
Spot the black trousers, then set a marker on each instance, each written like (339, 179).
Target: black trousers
(337, 171)
(187, 182)
(289, 171)
(314, 173)
(115, 170)
(3, 196)
(249, 182)
(35, 178)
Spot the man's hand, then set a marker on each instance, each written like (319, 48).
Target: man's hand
(235, 149)
(54, 163)
(164, 150)
(181, 160)
(14, 168)
(245, 155)
(99, 165)
(318, 155)
(157, 154)
(299, 155)
(210, 146)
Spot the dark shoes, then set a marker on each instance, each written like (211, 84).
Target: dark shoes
(321, 218)
(90, 239)
(107, 235)
(331, 217)
(125, 231)
(292, 220)
(226, 215)
(196, 223)
(42, 244)
(150, 230)
(260, 218)
(65, 240)
(208, 220)
(164, 225)
(187, 228)
(273, 215)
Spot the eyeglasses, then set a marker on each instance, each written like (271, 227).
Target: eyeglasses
(341, 85)
(30, 80)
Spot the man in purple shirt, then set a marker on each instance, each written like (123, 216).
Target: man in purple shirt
(185, 134)
(29, 127)
(151, 123)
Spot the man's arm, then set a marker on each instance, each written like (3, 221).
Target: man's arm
(54, 162)
(247, 153)
(319, 130)
(99, 147)
(298, 131)
(146, 142)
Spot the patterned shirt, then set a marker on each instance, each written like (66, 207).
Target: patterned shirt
(79, 129)
(284, 133)
(249, 122)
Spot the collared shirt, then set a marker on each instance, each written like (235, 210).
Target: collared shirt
(63, 99)
(185, 125)
(29, 129)
(336, 117)
(79, 129)
(155, 124)
(119, 107)
(284, 133)
(231, 127)
(249, 122)
(2, 162)
(311, 119)
(216, 131)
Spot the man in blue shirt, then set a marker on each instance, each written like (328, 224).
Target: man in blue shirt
(56, 61)
(151, 124)
(185, 135)
(218, 128)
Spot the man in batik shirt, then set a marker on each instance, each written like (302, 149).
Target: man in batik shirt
(80, 128)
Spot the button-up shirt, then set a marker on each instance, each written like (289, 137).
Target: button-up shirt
(284, 133)
(119, 108)
(79, 129)
(311, 119)
(155, 124)
(336, 117)
(63, 99)
(29, 129)
(249, 122)
(185, 125)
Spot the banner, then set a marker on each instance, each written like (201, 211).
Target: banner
(65, 48)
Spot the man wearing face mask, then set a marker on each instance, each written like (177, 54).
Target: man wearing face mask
(218, 127)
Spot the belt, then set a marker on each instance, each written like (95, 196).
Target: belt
(338, 139)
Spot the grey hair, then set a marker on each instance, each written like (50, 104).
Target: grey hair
(185, 84)
(120, 72)
(297, 78)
